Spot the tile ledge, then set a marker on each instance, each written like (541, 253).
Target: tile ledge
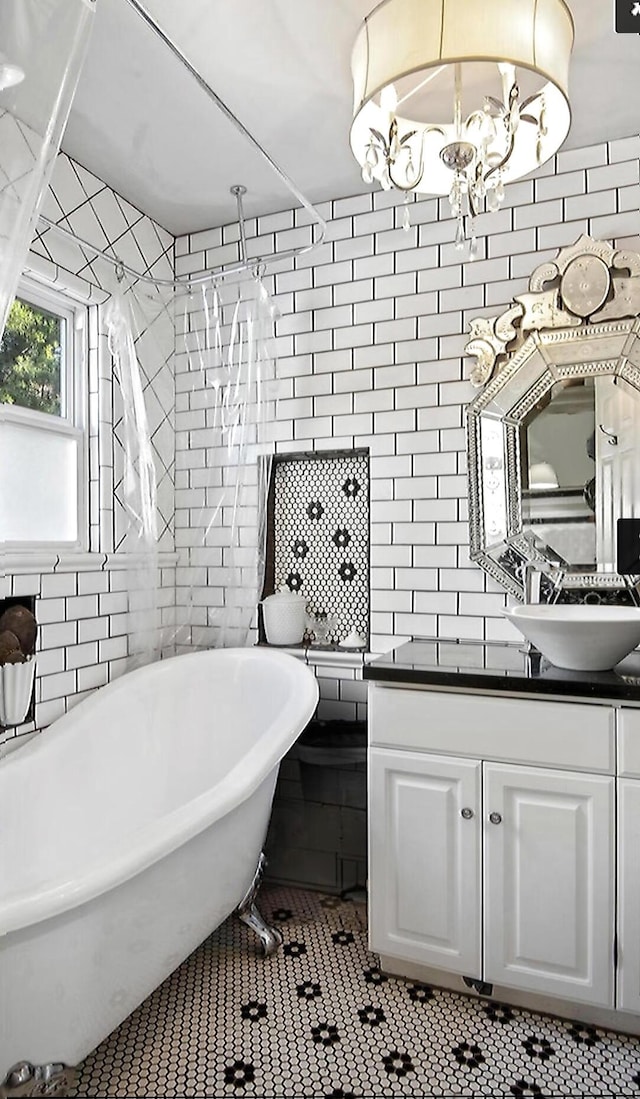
(344, 658)
(33, 562)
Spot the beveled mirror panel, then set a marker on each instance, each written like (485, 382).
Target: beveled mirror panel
(554, 435)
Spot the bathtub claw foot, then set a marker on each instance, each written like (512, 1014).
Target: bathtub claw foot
(247, 911)
(25, 1079)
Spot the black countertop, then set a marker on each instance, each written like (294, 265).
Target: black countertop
(504, 668)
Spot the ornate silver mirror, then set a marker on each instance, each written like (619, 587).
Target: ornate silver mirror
(553, 438)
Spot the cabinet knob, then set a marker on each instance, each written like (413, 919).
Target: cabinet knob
(495, 818)
(466, 813)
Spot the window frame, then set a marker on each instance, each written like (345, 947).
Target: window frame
(72, 421)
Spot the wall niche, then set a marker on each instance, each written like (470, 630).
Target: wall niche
(318, 539)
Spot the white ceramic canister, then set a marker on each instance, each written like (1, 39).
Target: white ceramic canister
(16, 685)
(285, 617)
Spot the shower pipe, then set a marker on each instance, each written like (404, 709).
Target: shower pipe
(237, 190)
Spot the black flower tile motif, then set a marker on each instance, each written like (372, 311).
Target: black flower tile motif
(281, 915)
(371, 1015)
(583, 1034)
(315, 524)
(341, 537)
(294, 581)
(499, 1013)
(325, 1034)
(294, 949)
(525, 1088)
(398, 1064)
(537, 1046)
(308, 990)
(253, 1011)
(419, 993)
(239, 1074)
(375, 976)
(471, 1056)
(342, 938)
(203, 1033)
(339, 1093)
(351, 487)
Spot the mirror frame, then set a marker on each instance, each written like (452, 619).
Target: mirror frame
(579, 319)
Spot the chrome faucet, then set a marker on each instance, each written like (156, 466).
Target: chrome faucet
(531, 573)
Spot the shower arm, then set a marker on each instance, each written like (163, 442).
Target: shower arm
(238, 190)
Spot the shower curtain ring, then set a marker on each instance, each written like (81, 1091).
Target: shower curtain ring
(119, 271)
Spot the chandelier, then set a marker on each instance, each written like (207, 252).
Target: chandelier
(459, 98)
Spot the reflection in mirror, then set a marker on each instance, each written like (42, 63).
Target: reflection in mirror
(557, 448)
(579, 467)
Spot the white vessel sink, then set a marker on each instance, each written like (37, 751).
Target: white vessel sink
(581, 637)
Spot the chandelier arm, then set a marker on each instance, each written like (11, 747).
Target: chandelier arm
(501, 163)
(418, 179)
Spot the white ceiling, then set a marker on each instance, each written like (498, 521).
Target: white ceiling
(141, 123)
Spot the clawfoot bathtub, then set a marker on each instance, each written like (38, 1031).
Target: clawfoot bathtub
(129, 830)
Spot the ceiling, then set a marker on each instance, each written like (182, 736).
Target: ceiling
(142, 124)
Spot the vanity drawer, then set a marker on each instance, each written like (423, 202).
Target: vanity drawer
(517, 730)
(629, 743)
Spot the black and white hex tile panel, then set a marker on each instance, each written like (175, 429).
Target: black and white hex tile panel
(321, 536)
(320, 1019)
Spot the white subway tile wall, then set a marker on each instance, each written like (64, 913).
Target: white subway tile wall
(371, 343)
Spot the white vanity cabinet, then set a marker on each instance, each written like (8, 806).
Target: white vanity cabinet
(548, 882)
(425, 859)
(493, 841)
(628, 975)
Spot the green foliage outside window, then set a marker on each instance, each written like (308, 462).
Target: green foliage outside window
(30, 353)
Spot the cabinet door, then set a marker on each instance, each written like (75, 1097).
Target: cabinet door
(548, 849)
(424, 859)
(628, 998)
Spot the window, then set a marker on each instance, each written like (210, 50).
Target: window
(42, 442)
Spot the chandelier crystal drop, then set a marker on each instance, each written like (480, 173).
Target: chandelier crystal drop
(484, 86)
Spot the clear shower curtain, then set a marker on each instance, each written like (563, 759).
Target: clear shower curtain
(129, 313)
(42, 48)
(228, 373)
(225, 378)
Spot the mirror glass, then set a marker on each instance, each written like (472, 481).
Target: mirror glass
(579, 451)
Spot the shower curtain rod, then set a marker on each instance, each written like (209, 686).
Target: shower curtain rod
(216, 274)
(244, 265)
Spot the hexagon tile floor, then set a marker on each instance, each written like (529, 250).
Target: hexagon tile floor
(319, 1019)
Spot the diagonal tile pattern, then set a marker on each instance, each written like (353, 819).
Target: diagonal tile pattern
(81, 203)
(320, 1019)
